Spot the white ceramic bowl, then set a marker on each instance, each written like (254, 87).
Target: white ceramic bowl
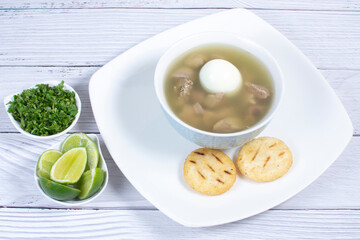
(209, 139)
(17, 124)
(102, 165)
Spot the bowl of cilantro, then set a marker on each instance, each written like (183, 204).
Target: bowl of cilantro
(46, 110)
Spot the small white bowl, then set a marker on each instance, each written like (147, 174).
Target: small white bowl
(210, 139)
(17, 124)
(102, 165)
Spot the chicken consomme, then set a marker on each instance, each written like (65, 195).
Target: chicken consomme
(193, 78)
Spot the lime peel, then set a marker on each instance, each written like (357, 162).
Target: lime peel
(90, 182)
(58, 191)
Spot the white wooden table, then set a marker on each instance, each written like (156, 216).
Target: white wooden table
(69, 40)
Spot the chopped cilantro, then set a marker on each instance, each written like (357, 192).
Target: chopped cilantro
(44, 110)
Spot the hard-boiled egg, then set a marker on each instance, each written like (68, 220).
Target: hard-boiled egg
(219, 75)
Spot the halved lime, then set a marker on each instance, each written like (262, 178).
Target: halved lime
(46, 161)
(70, 166)
(90, 182)
(58, 191)
(82, 140)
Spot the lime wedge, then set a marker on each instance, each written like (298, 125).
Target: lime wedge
(82, 140)
(58, 191)
(70, 166)
(90, 182)
(46, 161)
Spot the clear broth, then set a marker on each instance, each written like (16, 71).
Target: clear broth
(232, 113)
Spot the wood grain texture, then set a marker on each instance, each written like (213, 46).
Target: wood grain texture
(69, 40)
(127, 224)
(336, 188)
(349, 5)
(15, 79)
(88, 37)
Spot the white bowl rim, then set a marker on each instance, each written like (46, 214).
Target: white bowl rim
(95, 138)
(51, 83)
(158, 83)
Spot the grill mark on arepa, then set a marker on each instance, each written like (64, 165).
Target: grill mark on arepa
(201, 174)
(257, 151)
(193, 161)
(217, 158)
(227, 172)
(281, 154)
(267, 160)
(272, 145)
(200, 153)
(219, 181)
(210, 167)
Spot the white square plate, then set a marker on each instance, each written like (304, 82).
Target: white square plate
(311, 120)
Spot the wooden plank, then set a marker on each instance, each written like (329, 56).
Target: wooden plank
(83, 37)
(349, 5)
(15, 79)
(18, 156)
(145, 224)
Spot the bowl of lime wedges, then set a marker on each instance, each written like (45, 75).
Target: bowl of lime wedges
(72, 172)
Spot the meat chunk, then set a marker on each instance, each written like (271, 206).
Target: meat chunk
(224, 112)
(198, 108)
(219, 96)
(213, 100)
(259, 91)
(195, 61)
(249, 98)
(197, 96)
(226, 125)
(188, 115)
(183, 87)
(209, 118)
(253, 113)
(184, 72)
(256, 110)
